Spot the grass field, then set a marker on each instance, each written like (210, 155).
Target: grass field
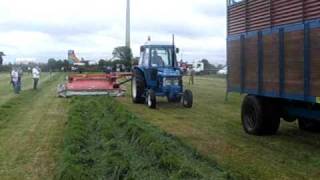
(31, 128)
(33, 125)
(213, 127)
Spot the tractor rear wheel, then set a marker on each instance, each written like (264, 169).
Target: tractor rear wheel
(137, 87)
(187, 100)
(151, 99)
(259, 117)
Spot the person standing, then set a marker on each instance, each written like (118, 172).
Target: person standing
(15, 79)
(35, 77)
(191, 74)
(20, 74)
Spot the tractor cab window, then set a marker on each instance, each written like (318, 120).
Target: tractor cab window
(161, 57)
(144, 57)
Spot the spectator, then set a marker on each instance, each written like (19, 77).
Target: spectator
(191, 74)
(35, 77)
(15, 79)
(20, 74)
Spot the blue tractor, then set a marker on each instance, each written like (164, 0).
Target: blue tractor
(158, 74)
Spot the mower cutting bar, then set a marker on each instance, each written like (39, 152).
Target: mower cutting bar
(92, 84)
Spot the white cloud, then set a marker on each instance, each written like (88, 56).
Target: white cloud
(44, 28)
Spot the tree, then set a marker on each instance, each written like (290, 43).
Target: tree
(211, 68)
(66, 65)
(101, 63)
(207, 65)
(135, 61)
(1, 59)
(124, 54)
(52, 64)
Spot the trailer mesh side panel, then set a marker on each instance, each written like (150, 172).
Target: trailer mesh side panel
(237, 19)
(253, 15)
(258, 14)
(311, 9)
(285, 12)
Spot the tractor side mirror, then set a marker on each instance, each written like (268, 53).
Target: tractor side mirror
(142, 49)
(177, 50)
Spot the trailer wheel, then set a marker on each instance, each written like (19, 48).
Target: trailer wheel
(137, 87)
(151, 99)
(308, 125)
(259, 117)
(187, 100)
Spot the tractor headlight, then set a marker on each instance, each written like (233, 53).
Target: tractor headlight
(170, 81)
(176, 82)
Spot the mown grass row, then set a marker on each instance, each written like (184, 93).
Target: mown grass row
(105, 141)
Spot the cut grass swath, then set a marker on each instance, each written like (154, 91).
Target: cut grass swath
(104, 141)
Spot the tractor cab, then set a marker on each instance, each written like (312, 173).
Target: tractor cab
(158, 61)
(157, 74)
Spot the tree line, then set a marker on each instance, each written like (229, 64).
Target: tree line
(122, 58)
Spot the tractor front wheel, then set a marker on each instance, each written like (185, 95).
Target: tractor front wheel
(151, 99)
(187, 100)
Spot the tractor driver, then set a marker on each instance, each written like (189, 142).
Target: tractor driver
(156, 59)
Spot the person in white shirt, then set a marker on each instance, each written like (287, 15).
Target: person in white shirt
(15, 80)
(35, 77)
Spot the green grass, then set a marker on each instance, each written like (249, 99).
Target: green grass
(115, 143)
(105, 141)
(213, 127)
(6, 90)
(31, 126)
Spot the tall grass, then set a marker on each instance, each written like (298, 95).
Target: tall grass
(105, 141)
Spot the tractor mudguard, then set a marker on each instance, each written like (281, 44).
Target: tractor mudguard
(141, 70)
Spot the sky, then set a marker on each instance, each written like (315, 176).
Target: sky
(42, 29)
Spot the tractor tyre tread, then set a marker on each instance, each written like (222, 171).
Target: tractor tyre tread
(140, 84)
(153, 101)
(187, 100)
(259, 117)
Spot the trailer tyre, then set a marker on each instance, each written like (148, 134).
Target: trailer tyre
(137, 87)
(259, 117)
(151, 99)
(308, 125)
(187, 100)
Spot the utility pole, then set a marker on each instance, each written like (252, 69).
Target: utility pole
(128, 24)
